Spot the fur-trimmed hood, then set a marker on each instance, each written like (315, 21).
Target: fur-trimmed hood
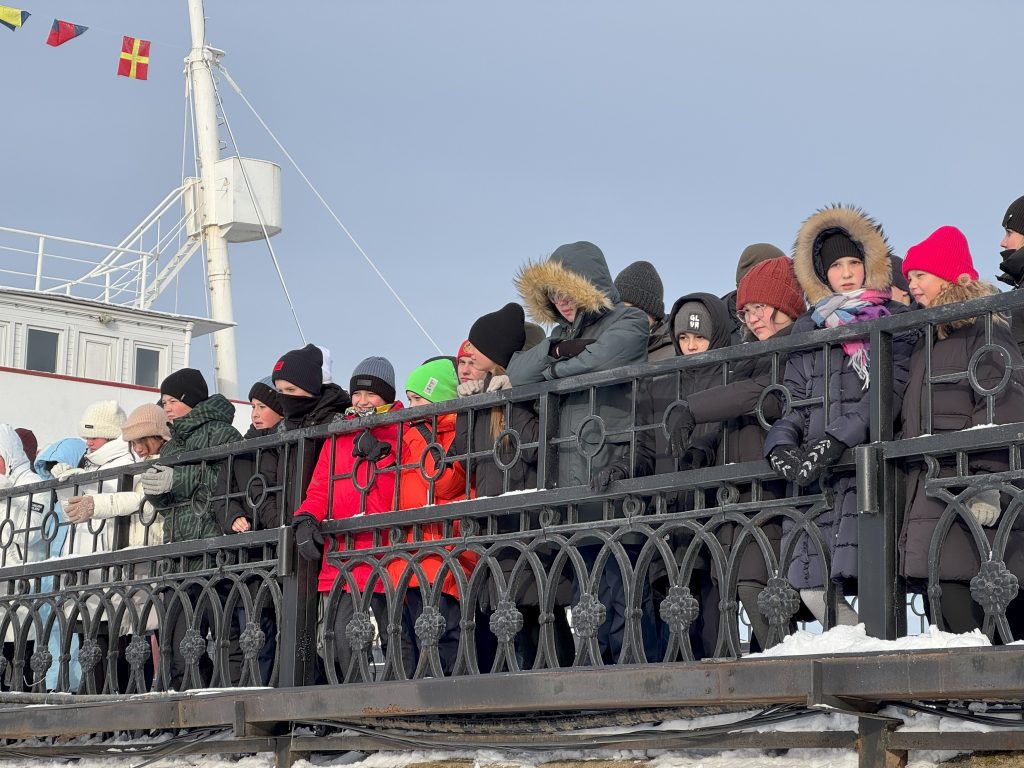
(962, 290)
(578, 270)
(859, 227)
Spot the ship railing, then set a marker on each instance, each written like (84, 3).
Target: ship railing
(546, 574)
(122, 274)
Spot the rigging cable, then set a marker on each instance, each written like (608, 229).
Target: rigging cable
(326, 205)
(256, 207)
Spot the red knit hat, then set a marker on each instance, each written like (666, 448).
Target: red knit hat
(463, 352)
(772, 282)
(944, 253)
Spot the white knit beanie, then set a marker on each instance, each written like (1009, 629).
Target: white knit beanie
(102, 419)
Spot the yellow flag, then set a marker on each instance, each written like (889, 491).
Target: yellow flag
(12, 18)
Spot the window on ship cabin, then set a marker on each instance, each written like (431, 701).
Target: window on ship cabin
(41, 350)
(147, 367)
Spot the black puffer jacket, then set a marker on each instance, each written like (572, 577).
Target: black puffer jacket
(255, 498)
(956, 406)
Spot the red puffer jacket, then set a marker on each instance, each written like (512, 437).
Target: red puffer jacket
(346, 500)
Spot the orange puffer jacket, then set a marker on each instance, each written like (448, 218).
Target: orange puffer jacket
(414, 488)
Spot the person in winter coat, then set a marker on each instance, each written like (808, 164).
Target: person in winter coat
(1012, 264)
(770, 300)
(752, 255)
(145, 431)
(941, 272)
(239, 512)
(433, 382)
(493, 340)
(841, 258)
(100, 427)
(306, 400)
(594, 331)
(699, 322)
(26, 513)
(197, 420)
(640, 286)
(464, 367)
(354, 475)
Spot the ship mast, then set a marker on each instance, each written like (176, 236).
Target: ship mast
(199, 65)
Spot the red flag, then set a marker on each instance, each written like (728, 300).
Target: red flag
(62, 31)
(134, 61)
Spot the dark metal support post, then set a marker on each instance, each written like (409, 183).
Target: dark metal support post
(299, 587)
(881, 597)
(873, 749)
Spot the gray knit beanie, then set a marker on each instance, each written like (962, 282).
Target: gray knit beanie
(377, 375)
(640, 284)
(693, 317)
(755, 254)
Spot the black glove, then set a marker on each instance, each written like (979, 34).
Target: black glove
(308, 540)
(368, 447)
(785, 460)
(694, 458)
(607, 476)
(679, 426)
(563, 350)
(820, 455)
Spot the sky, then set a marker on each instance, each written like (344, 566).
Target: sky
(458, 140)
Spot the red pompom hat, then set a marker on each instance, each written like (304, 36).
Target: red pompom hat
(772, 282)
(944, 253)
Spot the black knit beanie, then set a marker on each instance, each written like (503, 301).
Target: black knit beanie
(1014, 218)
(501, 334)
(836, 246)
(898, 280)
(303, 368)
(263, 390)
(187, 385)
(640, 284)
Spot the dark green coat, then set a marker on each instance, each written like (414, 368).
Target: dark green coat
(187, 509)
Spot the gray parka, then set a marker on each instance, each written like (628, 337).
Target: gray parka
(620, 336)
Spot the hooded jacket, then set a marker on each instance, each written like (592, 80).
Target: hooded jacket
(620, 334)
(660, 392)
(342, 498)
(236, 497)
(1012, 267)
(24, 512)
(326, 408)
(956, 406)
(206, 425)
(848, 415)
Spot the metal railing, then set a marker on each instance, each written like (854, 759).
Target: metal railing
(519, 569)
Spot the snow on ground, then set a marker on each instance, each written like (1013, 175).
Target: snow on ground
(856, 640)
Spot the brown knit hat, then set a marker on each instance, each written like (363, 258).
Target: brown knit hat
(772, 282)
(145, 421)
(755, 254)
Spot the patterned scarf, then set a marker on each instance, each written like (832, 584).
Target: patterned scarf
(853, 307)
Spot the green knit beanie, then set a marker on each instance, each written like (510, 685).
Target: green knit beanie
(434, 381)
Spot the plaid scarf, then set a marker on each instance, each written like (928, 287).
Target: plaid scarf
(845, 309)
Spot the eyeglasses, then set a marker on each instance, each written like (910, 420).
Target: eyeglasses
(751, 312)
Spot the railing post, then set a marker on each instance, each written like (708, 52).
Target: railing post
(299, 578)
(880, 593)
(547, 453)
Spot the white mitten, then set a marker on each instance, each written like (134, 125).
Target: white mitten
(157, 480)
(60, 470)
(468, 388)
(985, 507)
(79, 509)
(499, 382)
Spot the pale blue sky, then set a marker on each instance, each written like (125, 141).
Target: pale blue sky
(457, 139)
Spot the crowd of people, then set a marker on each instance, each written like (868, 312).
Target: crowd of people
(842, 271)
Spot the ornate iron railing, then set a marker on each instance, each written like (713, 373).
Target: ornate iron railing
(652, 569)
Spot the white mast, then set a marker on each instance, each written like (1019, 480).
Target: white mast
(199, 66)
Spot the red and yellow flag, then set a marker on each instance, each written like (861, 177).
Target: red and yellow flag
(134, 61)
